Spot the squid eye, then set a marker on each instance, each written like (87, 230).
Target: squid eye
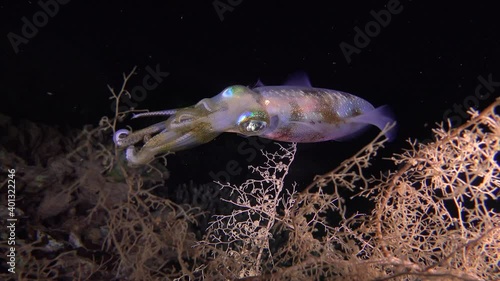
(253, 122)
(253, 126)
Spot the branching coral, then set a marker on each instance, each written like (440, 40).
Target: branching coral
(85, 215)
(88, 216)
(433, 218)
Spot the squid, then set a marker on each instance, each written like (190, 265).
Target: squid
(293, 112)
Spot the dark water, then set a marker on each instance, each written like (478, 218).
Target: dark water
(427, 61)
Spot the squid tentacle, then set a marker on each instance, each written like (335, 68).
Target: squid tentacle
(124, 137)
(165, 142)
(155, 113)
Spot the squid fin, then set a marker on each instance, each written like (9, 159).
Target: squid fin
(258, 84)
(379, 117)
(298, 78)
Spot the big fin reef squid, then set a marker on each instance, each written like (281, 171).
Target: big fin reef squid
(293, 112)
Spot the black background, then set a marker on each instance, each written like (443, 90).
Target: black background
(427, 59)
